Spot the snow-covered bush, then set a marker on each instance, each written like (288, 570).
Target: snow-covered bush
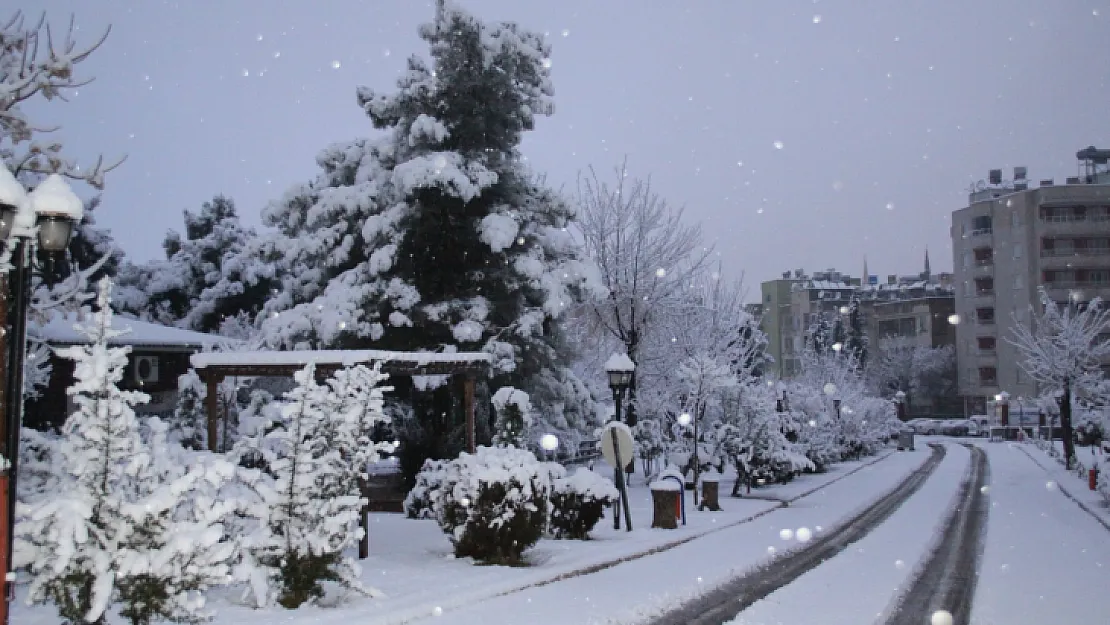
(493, 503)
(578, 502)
(421, 500)
(514, 417)
(125, 520)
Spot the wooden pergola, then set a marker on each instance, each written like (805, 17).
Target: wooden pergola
(213, 367)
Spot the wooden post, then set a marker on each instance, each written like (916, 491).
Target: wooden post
(5, 545)
(364, 520)
(212, 408)
(468, 405)
(5, 540)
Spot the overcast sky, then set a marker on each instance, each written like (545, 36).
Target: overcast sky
(801, 134)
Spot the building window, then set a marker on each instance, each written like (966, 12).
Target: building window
(1019, 281)
(988, 376)
(985, 316)
(1015, 219)
(1017, 250)
(986, 344)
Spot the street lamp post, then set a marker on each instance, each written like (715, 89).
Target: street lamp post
(620, 368)
(900, 402)
(46, 216)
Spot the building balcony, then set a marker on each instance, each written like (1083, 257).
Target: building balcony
(1074, 224)
(980, 236)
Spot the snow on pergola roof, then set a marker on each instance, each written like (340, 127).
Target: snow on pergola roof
(60, 330)
(249, 363)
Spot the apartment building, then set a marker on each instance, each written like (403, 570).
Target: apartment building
(1010, 241)
(917, 306)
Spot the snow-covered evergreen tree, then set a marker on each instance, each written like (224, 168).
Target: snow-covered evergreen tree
(120, 524)
(310, 505)
(514, 418)
(206, 277)
(856, 343)
(189, 417)
(436, 236)
(357, 408)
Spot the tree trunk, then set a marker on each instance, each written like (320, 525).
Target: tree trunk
(1065, 424)
(632, 347)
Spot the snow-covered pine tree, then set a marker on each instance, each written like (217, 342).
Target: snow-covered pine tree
(206, 276)
(514, 418)
(118, 527)
(313, 507)
(436, 236)
(189, 417)
(357, 408)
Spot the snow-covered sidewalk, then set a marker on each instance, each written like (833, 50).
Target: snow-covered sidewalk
(859, 585)
(1046, 560)
(1069, 483)
(636, 590)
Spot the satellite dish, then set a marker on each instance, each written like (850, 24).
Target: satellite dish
(981, 185)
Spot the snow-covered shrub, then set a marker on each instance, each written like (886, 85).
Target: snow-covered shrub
(310, 502)
(421, 500)
(578, 502)
(514, 417)
(125, 520)
(493, 503)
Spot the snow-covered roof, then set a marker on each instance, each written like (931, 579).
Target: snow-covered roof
(432, 362)
(60, 331)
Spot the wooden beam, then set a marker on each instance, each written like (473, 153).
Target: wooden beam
(468, 404)
(212, 407)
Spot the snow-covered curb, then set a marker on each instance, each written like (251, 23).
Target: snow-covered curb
(1058, 475)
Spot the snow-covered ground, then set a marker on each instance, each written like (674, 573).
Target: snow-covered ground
(636, 590)
(1046, 560)
(858, 585)
(411, 561)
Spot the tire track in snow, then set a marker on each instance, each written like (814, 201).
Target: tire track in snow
(723, 603)
(948, 579)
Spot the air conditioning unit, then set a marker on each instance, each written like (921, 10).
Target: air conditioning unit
(146, 369)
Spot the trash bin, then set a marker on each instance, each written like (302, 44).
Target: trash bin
(710, 483)
(666, 497)
(905, 440)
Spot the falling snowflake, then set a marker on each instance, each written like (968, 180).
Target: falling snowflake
(816, 19)
(386, 52)
(837, 185)
(941, 617)
(898, 564)
(566, 32)
(778, 145)
(1050, 485)
(277, 54)
(985, 489)
(336, 65)
(786, 534)
(258, 37)
(437, 611)
(660, 273)
(890, 206)
(803, 534)
(771, 551)
(246, 72)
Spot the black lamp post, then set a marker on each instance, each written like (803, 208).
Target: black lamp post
(47, 214)
(620, 368)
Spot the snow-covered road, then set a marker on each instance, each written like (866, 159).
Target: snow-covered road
(859, 585)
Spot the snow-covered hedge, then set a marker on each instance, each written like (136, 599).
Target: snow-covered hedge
(421, 500)
(578, 502)
(493, 503)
